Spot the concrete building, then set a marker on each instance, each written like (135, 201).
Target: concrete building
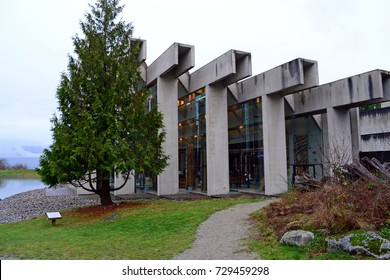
(224, 125)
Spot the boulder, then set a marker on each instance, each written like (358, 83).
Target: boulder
(297, 237)
(362, 243)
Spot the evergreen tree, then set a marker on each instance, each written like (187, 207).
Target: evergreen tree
(103, 127)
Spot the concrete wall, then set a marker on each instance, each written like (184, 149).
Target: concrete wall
(375, 130)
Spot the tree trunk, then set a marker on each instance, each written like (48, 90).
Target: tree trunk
(104, 193)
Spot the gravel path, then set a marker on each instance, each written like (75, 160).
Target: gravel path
(223, 235)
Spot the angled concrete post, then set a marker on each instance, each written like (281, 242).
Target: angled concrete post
(217, 144)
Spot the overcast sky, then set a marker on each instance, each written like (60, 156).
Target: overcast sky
(346, 37)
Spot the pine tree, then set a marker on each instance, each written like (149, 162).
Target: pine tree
(103, 126)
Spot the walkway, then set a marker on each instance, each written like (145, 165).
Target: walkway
(223, 235)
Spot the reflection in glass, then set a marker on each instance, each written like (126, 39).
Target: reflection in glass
(246, 158)
(192, 141)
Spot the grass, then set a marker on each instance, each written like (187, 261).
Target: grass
(18, 174)
(135, 230)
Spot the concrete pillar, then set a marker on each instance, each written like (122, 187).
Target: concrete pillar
(129, 188)
(167, 90)
(325, 145)
(217, 143)
(355, 132)
(274, 133)
(338, 141)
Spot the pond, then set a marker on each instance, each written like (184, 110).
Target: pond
(9, 187)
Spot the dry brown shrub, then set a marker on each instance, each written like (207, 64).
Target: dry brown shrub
(336, 208)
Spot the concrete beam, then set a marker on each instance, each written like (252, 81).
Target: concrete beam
(363, 89)
(178, 59)
(229, 68)
(185, 81)
(285, 79)
(143, 48)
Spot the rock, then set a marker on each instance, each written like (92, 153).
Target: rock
(297, 237)
(363, 243)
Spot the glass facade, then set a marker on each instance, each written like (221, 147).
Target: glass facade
(304, 145)
(246, 157)
(192, 141)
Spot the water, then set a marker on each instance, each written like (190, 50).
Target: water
(9, 187)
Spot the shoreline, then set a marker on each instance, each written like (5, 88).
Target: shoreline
(19, 174)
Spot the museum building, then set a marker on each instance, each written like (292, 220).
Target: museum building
(227, 130)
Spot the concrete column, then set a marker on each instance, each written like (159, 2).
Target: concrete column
(325, 145)
(129, 188)
(355, 132)
(217, 143)
(274, 133)
(338, 142)
(167, 90)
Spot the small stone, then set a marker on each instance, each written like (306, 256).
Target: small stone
(297, 237)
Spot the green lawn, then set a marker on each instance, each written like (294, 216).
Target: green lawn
(147, 230)
(18, 174)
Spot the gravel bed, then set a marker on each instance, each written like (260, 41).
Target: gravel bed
(27, 205)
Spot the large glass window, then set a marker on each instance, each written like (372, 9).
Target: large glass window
(192, 141)
(304, 145)
(246, 157)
